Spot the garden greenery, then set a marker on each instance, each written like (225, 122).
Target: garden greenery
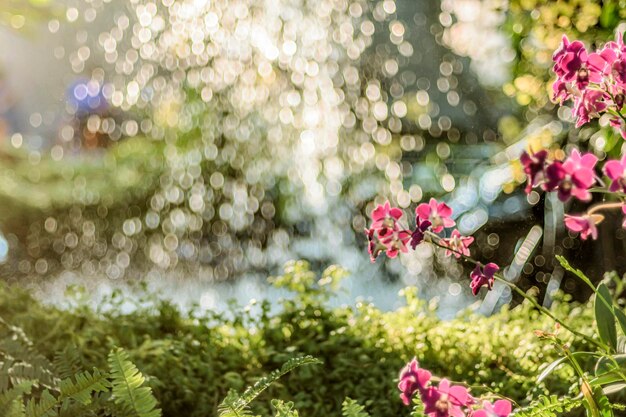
(192, 360)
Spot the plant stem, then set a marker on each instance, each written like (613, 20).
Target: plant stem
(435, 239)
(604, 206)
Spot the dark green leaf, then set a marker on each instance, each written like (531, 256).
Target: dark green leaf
(605, 319)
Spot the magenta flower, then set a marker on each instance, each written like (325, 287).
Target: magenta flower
(419, 233)
(412, 380)
(589, 105)
(569, 60)
(585, 224)
(616, 171)
(534, 164)
(560, 91)
(573, 177)
(385, 216)
(395, 241)
(624, 211)
(373, 248)
(457, 244)
(501, 408)
(385, 233)
(438, 214)
(609, 61)
(554, 174)
(446, 400)
(484, 276)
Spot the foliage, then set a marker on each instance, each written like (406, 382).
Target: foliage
(192, 360)
(31, 386)
(235, 405)
(548, 406)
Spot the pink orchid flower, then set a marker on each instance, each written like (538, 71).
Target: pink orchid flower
(395, 241)
(534, 165)
(569, 59)
(438, 214)
(589, 105)
(419, 234)
(412, 379)
(446, 400)
(584, 224)
(484, 276)
(385, 233)
(560, 91)
(610, 60)
(573, 177)
(501, 408)
(624, 211)
(616, 171)
(385, 216)
(457, 244)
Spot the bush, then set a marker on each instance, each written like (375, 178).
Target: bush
(191, 360)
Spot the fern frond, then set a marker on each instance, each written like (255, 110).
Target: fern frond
(9, 398)
(14, 409)
(5, 366)
(67, 362)
(127, 384)
(548, 407)
(22, 371)
(234, 406)
(284, 409)
(262, 384)
(83, 386)
(26, 363)
(351, 408)
(230, 406)
(45, 407)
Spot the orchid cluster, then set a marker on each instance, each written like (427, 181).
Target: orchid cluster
(445, 400)
(595, 81)
(573, 178)
(387, 234)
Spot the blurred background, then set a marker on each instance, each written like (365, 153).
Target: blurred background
(197, 145)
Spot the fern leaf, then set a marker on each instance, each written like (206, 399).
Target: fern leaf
(26, 363)
(351, 408)
(85, 384)
(45, 407)
(262, 384)
(9, 398)
(548, 407)
(230, 406)
(67, 362)
(284, 409)
(15, 409)
(127, 386)
(234, 406)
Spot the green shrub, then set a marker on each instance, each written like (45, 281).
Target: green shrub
(192, 360)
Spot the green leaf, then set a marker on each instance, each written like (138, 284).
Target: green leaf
(605, 319)
(235, 405)
(621, 318)
(351, 408)
(603, 404)
(284, 409)
(552, 366)
(613, 388)
(607, 364)
(548, 370)
(83, 385)
(127, 386)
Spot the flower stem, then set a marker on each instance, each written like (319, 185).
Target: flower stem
(604, 206)
(435, 239)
